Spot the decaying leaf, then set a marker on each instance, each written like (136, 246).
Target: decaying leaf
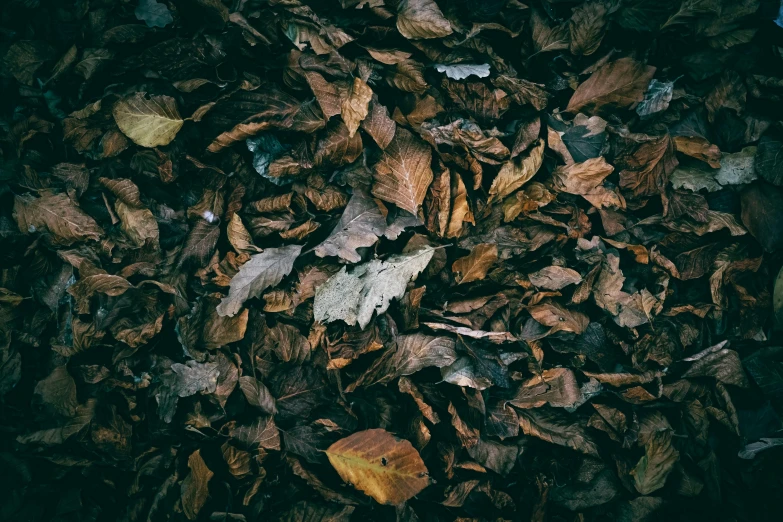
(370, 287)
(263, 271)
(387, 469)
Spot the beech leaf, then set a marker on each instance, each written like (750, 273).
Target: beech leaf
(387, 469)
(148, 122)
(370, 287)
(263, 271)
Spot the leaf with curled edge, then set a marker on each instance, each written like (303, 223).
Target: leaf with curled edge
(370, 287)
(475, 265)
(581, 178)
(657, 463)
(148, 122)
(387, 469)
(516, 172)
(263, 271)
(557, 428)
(419, 19)
(647, 170)
(58, 215)
(616, 85)
(403, 173)
(361, 224)
(414, 352)
(195, 488)
(558, 318)
(355, 105)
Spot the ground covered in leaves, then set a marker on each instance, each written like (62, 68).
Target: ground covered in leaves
(412, 260)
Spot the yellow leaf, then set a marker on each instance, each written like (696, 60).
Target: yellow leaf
(152, 122)
(374, 461)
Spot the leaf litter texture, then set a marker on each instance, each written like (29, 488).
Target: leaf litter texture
(391, 260)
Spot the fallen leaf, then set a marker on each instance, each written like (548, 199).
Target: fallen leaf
(370, 287)
(617, 85)
(263, 271)
(387, 469)
(403, 173)
(475, 265)
(148, 122)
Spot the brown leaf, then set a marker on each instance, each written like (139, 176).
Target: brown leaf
(257, 394)
(547, 38)
(581, 178)
(378, 124)
(355, 105)
(699, 148)
(24, 58)
(56, 214)
(421, 19)
(523, 91)
(587, 26)
(403, 173)
(617, 85)
(657, 463)
(515, 173)
(559, 318)
(558, 428)
(646, 171)
(555, 277)
(326, 94)
(338, 147)
(373, 461)
(475, 265)
(195, 488)
(239, 237)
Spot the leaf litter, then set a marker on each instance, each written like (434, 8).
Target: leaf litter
(391, 260)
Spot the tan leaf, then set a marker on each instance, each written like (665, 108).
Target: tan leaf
(403, 173)
(460, 208)
(195, 488)
(616, 85)
(388, 56)
(375, 462)
(300, 232)
(421, 19)
(699, 148)
(555, 277)
(58, 215)
(581, 178)
(515, 173)
(475, 265)
(139, 224)
(152, 122)
(559, 318)
(355, 105)
(273, 203)
(239, 237)
(263, 271)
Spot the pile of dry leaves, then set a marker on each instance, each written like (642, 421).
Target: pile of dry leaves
(413, 260)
